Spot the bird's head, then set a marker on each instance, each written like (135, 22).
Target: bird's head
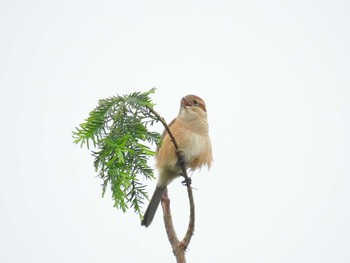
(192, 107)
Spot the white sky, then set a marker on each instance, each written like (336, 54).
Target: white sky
(276, 78)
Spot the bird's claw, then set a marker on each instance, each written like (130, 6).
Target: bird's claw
(187, 181)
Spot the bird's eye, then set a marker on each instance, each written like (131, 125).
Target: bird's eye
(195, 102)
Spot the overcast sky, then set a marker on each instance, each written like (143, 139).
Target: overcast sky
(276, 79)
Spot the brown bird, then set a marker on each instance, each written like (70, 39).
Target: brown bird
(190, 130)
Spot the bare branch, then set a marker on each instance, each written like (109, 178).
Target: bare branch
(179, 248)
(161, 119)
(190, 229)
(168, 222)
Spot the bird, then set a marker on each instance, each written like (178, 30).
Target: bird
(191, 132)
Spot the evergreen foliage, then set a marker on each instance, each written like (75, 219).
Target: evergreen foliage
(118, 128)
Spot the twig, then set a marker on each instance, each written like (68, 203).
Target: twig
(161, 119)
(179, 248)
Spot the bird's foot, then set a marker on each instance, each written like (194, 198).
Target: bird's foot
(187, 181)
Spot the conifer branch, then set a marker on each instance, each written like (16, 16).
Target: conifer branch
(119, 130)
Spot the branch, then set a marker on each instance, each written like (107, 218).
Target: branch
(161, 119)
(178, 152)
(179, 248)
(169, 226)
(119, 130)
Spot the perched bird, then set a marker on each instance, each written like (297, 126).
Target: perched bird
(190, 130)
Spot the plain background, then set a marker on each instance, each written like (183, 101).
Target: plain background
(275, 77)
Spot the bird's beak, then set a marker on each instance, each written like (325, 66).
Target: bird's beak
(186, 103)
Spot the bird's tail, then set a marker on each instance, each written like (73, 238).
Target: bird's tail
(153, 205)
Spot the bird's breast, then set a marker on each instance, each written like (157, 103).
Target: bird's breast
(196, 149)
